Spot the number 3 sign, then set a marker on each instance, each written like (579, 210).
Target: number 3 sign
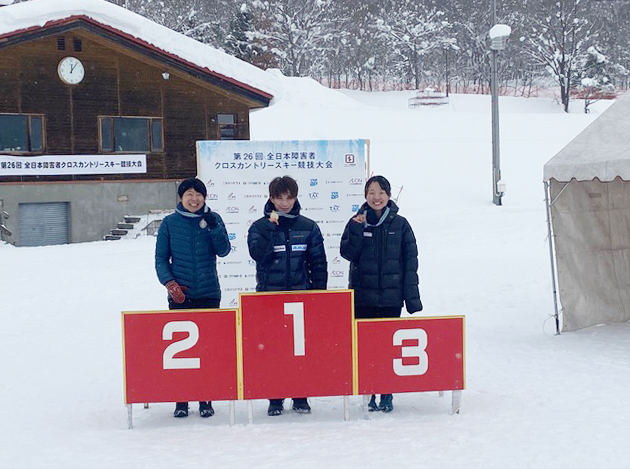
(410, 354)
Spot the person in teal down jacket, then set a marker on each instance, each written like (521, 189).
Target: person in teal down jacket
(186, 251)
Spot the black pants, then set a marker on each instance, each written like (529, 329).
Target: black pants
(373, 312)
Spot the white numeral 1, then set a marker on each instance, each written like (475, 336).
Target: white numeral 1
(417, 351)
(297, 311)
(169, 361)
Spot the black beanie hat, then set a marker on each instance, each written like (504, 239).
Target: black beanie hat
(384, 183)
(193, 183)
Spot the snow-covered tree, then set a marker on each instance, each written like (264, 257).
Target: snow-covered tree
(595, 80)
(413, 29)
(239, 41)
(296, 31)
(558, 36)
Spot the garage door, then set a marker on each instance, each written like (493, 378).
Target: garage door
(44, 224)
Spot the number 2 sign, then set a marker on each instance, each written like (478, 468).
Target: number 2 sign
(168, 359)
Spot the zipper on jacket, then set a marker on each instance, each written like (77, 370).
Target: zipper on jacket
(287, 278)
(379, 261)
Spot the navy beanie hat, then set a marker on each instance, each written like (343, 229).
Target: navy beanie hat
(193, 183)
(384, 183)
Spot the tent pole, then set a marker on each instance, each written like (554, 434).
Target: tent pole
(551, 258)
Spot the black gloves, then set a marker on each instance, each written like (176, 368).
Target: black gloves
(210, 219)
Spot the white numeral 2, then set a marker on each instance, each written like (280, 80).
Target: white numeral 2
(169, 361)
(297, 311)
(417, 351)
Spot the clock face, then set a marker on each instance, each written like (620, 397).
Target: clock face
(71, 70)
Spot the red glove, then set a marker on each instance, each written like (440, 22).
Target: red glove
(176, 292)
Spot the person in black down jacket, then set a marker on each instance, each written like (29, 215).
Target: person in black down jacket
(186, 251)
(383, 255)
(289, 252)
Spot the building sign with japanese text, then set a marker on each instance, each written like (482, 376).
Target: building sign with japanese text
(330, 175)
(54, 165)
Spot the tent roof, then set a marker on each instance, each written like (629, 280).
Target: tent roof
(601, 151)
(33, 16)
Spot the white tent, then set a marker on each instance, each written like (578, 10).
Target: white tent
(588, 185)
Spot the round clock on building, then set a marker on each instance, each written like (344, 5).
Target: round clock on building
(71, 70)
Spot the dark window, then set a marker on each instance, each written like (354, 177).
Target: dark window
(227, 126)
(61, 43)
(157, 143)
(78, 45)
(131, 134)
(23, 133)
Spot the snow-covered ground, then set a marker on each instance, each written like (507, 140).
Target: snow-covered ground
(533, 399)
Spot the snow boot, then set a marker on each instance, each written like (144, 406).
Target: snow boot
(181, 409)
(276, 406)
(386, 403)
(300, 405)
(205, 409)
(372, 407)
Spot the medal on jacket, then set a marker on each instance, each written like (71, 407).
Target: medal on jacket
(203, 224)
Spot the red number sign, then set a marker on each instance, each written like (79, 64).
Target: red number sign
(188, 355)
(297, 344)
(410, 355)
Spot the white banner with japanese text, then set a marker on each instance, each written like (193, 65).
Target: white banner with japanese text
(54, 165)
(330, 175)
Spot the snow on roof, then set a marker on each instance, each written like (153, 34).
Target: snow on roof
(38, 13)
(601, 151)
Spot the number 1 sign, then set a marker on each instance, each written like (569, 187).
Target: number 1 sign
(188, 355)
(297, 344)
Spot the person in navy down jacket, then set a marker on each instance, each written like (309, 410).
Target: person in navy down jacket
(186, 250)
(383, 255)
(289, 252)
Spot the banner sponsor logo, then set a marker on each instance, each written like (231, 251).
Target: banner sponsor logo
(356, 182)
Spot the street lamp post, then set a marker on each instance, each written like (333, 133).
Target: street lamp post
(499, 34)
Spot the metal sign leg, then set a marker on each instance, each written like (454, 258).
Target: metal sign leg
(232, 413)
(129, 416)
(456, 403)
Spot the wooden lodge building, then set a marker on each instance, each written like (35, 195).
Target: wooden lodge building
(100, 111)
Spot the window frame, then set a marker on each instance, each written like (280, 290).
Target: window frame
(152, 124)
(232, 125)
(29, 134)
